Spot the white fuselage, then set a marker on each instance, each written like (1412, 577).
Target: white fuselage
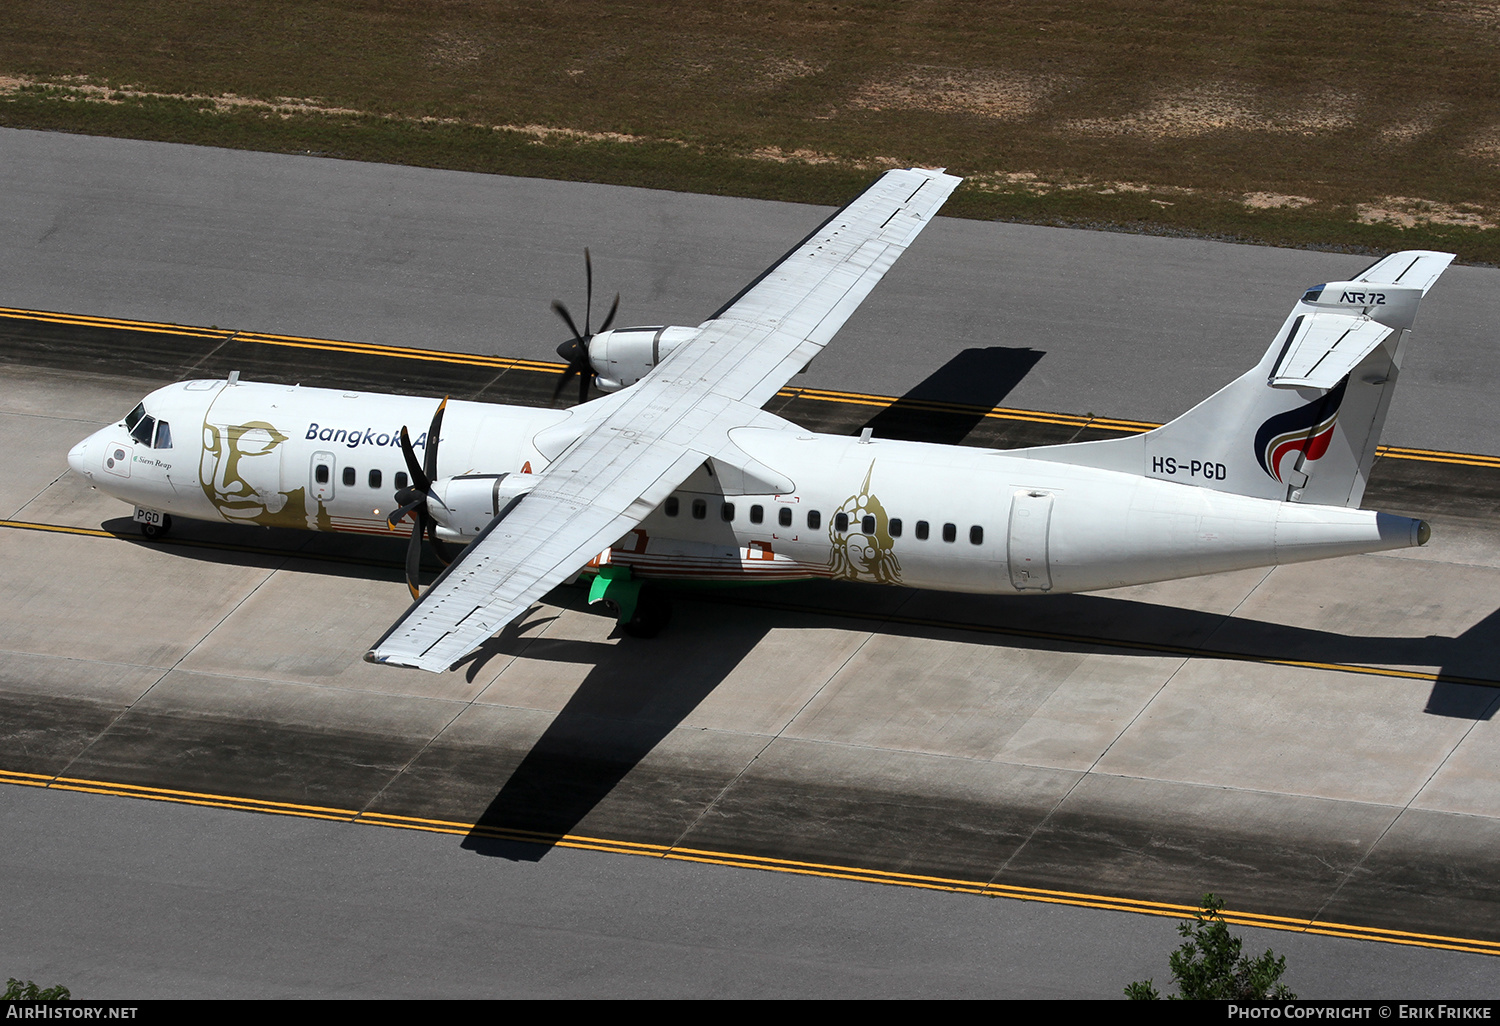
(891, 512)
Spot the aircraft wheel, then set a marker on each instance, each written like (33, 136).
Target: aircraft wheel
(652, 614)
(155, 531)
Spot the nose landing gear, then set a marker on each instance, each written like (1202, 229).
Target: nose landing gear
(156, 531)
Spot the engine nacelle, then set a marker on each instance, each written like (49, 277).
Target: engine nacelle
(464, 506)
(622, 356)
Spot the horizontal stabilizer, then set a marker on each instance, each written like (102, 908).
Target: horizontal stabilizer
(1323, 347)
(1413, 268)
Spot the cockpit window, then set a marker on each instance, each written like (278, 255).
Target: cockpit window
(134, 417)
(163, 436)
(145, 427)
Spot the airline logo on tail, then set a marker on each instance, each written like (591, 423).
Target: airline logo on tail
(1307, 429)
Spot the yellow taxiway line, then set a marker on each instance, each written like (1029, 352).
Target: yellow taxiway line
(791, 392)
(730, 859)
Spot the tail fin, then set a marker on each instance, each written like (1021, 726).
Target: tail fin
(1303, 424)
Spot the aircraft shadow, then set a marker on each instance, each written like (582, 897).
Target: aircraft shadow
(357, 557)
(1472, 654)
(947, 405)
(636, 694)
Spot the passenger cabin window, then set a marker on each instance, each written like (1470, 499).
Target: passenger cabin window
(976, 535)
(320, 473)
(841, 522)
(349, 477)
(867, 525)
(784, 517)
(814, 520)
(671, 507)
(921, 530)
(895, 527)
(726, 512)
(163, 436)
(950, 532)
(757, 514)
(374, 479)
(700, 509)
(401, 479)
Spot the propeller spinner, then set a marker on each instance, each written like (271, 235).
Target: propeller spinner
(412, 500)
(576, 349)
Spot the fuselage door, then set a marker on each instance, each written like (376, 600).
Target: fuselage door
(322, 476)
(1030, 518)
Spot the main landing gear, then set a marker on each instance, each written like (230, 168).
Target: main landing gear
(643, 611)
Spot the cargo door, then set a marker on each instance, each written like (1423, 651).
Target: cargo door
(1030, 521)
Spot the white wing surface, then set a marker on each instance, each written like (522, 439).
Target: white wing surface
(662, 429)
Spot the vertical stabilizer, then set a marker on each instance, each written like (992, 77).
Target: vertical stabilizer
(1303, 424)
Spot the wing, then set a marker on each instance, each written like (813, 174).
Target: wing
(657, 432)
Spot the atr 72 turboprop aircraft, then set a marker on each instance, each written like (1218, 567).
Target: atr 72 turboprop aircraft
(679, 473)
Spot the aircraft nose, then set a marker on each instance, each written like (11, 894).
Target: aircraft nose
(78, 458)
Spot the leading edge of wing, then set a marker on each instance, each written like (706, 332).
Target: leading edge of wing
(782, 320)
(919, 178)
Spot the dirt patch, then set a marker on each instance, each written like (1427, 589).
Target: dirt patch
(1469, 12)
(771, 72)
(957, 91)
(1274, 201)
(286, 106)
(1224, 107)
(1485, 145)
(1034, 184)
(1410, 212)
(449, 49)
(82, 89)
(542, 133)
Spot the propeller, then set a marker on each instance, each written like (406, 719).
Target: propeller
(412, 500)
(576, 349)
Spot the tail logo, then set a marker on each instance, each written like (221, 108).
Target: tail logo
(1307, 429)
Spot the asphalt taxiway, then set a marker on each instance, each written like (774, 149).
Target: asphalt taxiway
(1117, 325)
(1316, 743)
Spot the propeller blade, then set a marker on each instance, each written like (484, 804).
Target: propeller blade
(588, 291)
(562, 382)
(584, 377)
(418, 479)
(613, 309)
(562, 312)
(433, 433)
(440, 547)
(414, 559)
(398, 515)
